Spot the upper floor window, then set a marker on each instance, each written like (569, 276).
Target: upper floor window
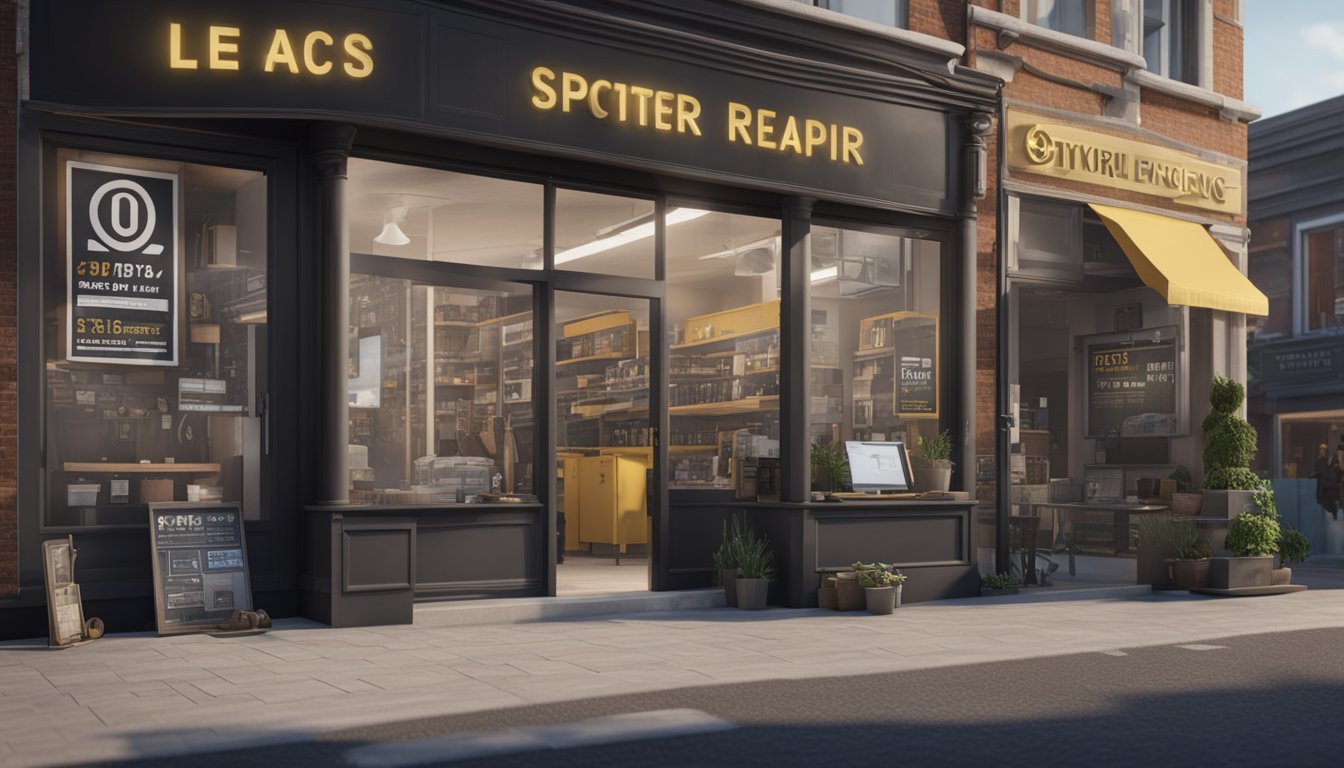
(1168, 33)
(1323, 278)
(1073, 17)
(892, 13)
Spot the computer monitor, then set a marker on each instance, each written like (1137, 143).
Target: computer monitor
(878, 467)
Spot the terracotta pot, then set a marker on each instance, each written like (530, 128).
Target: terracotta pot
(729, 578)
(1189, 574)
(881, 600)
(848, 595)
(751, 594)
(826, 598)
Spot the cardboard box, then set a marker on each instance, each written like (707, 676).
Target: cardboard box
(153, 490)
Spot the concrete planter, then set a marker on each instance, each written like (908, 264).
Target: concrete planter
(1189, 574)
(729, 577)
(1152, 569)
(1186, 504)
(1240, 572)
(881, 600)
(1280, 576)
(751, 594)
(1226, 504)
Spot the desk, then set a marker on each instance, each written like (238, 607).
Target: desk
(1078, 511)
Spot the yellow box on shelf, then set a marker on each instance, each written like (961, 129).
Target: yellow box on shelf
(877, 332)
(599, 321)
(731, 323)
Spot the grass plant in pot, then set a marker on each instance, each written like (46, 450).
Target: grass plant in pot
(1253, 539)
(756, 569)
(1157, 547)
(1190, 559)
(882, 587)
(726, 557)
(830, 467)
(937, 455)
(1293, 548)
(1229, 445)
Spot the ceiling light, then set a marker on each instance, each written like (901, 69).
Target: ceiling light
(392, 235)
(825, 275)
(755, 261)
(625, 237)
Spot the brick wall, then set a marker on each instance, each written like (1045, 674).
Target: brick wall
(9, 437)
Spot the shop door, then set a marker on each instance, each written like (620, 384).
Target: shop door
(605, 441)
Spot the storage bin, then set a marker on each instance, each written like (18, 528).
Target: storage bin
(81, 494)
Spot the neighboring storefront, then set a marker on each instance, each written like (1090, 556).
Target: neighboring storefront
(1296, 353)
(437, 291)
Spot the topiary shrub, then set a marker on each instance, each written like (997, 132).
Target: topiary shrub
(1229, 442)
(1293, 546)
(1253, 535)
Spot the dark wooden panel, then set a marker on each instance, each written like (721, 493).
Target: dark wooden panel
(907, 540)
(694, 533)
(378, 557)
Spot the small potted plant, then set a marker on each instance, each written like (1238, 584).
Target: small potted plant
(756, 569)
(1189, 563)
(1293, 548)
(827, 599)
(1253, 539)
(726, 556)
(1184, 502)
(998, 584)
(1157, 547)
(848, 594)
(937, 454)
(882, 587)
(830, 467)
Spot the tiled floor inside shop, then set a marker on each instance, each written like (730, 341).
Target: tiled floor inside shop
(585, 575)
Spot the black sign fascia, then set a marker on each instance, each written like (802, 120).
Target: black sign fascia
(461, 73)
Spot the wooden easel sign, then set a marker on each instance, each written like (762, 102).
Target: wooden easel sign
(65, 612)
(200, 565)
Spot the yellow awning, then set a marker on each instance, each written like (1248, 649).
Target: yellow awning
(1181, 261)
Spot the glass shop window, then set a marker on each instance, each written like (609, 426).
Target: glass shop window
(1171, 38)
(155, 337)
(429, 214)
(876, 330)
(1323, 273)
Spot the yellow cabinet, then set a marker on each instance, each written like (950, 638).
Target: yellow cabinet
(612, 501)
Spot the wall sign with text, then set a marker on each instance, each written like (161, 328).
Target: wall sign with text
(1132, 388)
(122, 271)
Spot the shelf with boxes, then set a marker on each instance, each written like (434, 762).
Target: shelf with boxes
(896, 368)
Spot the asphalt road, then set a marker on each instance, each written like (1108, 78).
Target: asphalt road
(1263, 700)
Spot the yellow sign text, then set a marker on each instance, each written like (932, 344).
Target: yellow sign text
(315, 52)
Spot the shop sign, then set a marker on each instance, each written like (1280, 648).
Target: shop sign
(121, 250)
(481, 73)
(1132, 389)
(1038, 146)
(1311, 362)
(200, 565)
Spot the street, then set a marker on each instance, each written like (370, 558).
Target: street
(1264, 700)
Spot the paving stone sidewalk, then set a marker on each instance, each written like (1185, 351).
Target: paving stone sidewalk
(137, 695)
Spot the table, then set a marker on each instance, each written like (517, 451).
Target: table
(1120, 513)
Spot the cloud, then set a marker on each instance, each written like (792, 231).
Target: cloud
(1326, 36)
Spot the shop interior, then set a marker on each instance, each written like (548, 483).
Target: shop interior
(1086, 454)
(122, 436)
(441, 389)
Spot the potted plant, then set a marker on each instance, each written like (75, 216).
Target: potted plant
(827, 599)
(1184, 500)
(726, 557)
(1253, 539)
(998, 584)
(830, 467)
(1229, 444)
(1293, 548)
(881, 587)
(1158, 532)
(937, 454)
(1189, 563)
(848, 594)
(756, 569)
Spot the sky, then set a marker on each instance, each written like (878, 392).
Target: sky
(1294, 54)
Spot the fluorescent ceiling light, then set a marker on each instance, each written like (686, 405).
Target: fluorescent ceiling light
(825, 275)
(625, 237)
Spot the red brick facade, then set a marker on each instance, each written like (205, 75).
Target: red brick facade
(9, 407)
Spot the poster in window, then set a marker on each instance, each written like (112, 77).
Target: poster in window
(917, 368)
(1132, 388)
(122, 270)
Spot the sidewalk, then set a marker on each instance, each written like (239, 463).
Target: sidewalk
(137, 695)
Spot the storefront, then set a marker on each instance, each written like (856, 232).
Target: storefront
(1123, 296)
(437, 292)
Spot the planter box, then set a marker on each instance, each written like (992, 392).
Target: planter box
(1152, 568)
(1189, 574)
(849, 595)
(1240, 572)
(751, 594)
(1186, 504)
(1226, 504)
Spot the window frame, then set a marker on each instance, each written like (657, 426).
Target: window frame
(902, 12)
(1089, 31)
(1301, 271)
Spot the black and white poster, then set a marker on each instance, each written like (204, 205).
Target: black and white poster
(121, 247)
(917, 370)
